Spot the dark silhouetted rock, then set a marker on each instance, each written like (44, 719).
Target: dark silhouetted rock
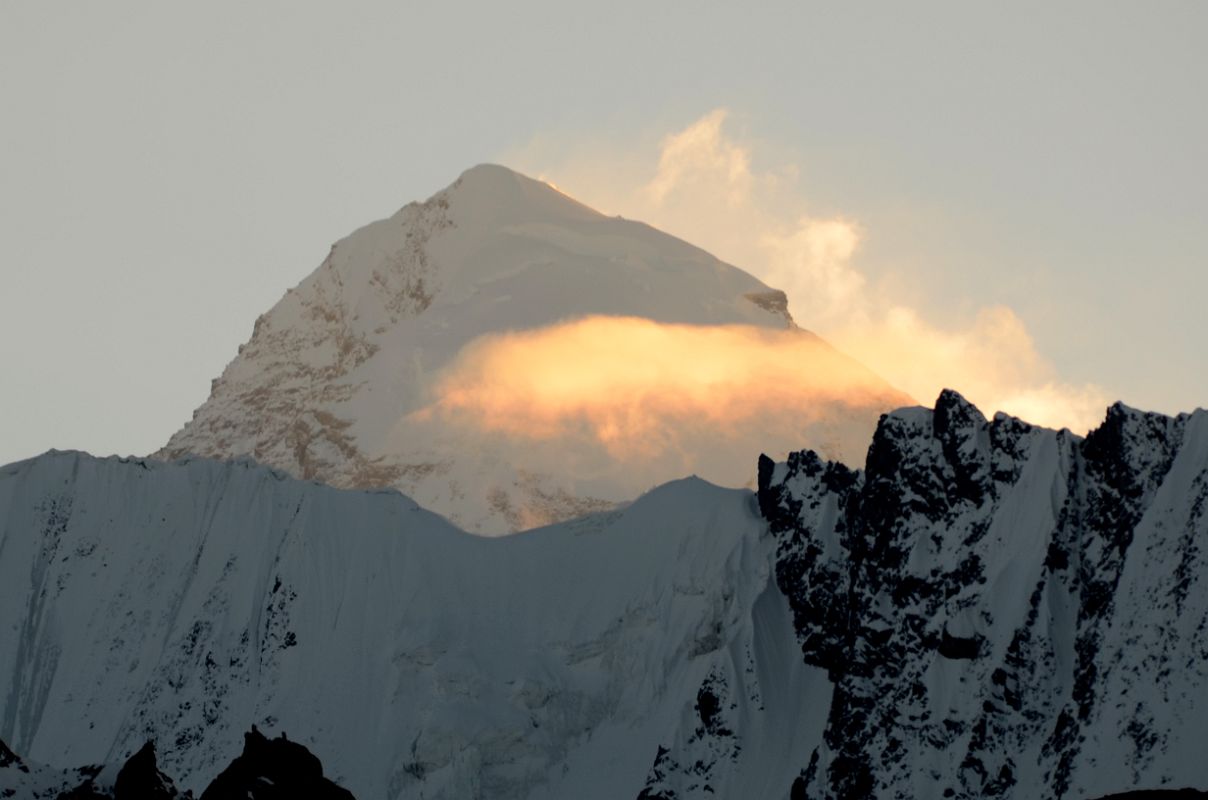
(273, 769)
(140, 778)
(956, 647)
(8, 758)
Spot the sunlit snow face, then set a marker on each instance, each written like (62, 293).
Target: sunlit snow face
(640, 389)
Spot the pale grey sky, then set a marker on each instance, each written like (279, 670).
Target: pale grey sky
(166, 172)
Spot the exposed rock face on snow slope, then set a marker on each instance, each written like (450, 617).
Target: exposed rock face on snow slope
(1004, 610)
(183, 603)
(337, 382)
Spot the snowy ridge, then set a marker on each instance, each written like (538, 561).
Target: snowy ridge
(1004, 610)
(988, 609)
(327, 386)
(183, 603)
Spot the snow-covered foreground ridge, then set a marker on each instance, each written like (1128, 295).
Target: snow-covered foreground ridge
(186, 602)
(988, 609)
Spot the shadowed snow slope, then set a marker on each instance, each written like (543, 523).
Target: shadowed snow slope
(185, 602)
(343, 379)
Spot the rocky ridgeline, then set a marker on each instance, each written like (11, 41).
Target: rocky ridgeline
(1003, 610)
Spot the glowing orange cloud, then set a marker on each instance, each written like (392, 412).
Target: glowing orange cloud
(700, 183)
(642, 389)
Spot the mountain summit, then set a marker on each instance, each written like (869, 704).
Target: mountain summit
(510, 357)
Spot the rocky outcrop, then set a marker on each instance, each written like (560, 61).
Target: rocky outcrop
(140, 778)
(273, 769)
(9, 759)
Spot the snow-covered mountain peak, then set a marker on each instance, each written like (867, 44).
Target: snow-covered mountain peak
(347, 378)
(496, 236)
(491, 193)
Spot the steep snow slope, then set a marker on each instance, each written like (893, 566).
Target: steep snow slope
(988, 609)
(185, 602)
(333, 383)
(1005, 610)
